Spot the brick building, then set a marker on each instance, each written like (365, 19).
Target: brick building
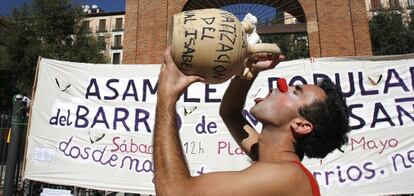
(334, 28)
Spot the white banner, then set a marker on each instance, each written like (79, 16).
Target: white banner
(91, 125)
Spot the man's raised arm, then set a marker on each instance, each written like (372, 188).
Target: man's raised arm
(169, 160)
(233, 102)
(172, 176)
(231, 112)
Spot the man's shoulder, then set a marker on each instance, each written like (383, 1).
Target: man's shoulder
(278, 168)
(284, 175)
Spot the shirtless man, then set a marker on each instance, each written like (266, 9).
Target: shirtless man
(309, 120)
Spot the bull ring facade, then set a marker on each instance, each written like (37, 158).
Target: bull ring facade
(334, 28)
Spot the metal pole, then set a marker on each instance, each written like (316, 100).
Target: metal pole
(16, 135)
(5, 125)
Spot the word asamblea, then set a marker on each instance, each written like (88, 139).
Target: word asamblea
(114, 89)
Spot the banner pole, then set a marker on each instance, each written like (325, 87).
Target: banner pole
(30, 113)
(16, 133)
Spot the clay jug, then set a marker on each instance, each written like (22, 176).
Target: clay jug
(212, 43)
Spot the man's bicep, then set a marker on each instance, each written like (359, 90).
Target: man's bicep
(244, 134)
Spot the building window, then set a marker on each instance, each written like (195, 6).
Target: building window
(102, 25)
(116, 58)
(411, 3)
(395, 4)
(376, 4)
(118, 24)
(117, 42)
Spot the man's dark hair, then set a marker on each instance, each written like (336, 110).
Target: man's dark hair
(330, 123)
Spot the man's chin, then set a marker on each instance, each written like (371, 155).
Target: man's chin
(253, 111)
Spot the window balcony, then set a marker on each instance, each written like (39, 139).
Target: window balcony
(101, 30)
(377, 8)
(116, 28)
(116, 47)
(396, 7)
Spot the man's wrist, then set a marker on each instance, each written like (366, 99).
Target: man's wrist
(166, 101)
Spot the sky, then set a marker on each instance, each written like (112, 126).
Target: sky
(107, 5)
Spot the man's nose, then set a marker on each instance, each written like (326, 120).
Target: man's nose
(282, 85)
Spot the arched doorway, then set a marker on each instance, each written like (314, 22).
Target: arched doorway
(260, 8)
(333, 28)
(281, 22)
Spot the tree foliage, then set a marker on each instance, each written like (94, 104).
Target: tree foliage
(389, 35)
(293, 46)
(46, 28)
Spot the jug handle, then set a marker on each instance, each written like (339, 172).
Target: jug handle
(258, 48)
(247, 27)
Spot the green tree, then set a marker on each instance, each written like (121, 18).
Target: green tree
(7, 79)
(389, 35)
(47, 28)
(3, 52)
(411, 32)
(293, 46)
(411, 22)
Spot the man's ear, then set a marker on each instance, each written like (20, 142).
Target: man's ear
(301, 126)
